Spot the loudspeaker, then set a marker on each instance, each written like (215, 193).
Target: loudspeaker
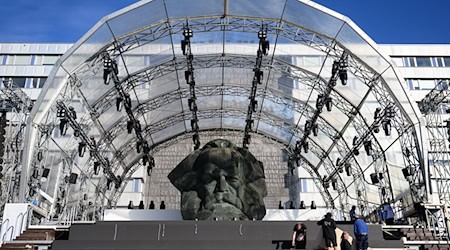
(45, 172)
(73, 178)
(374, 178)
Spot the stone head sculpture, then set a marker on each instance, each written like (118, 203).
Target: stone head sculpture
(220, 181)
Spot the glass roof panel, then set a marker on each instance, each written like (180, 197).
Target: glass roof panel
(94, 41)
(184, 9)
(311, 18)
(256, 8)
(359, 47)
(142, 16)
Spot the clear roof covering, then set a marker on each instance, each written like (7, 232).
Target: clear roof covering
(305, 39)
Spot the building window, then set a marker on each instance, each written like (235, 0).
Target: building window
(423, 61)
(423, 84)
(447, 61)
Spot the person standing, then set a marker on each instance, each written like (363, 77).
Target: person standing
(345, 242)
(299, 236)
(353, 213)
(389, 213)
(329, 233)
(361, 232)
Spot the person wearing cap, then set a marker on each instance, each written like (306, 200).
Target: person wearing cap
(361, 232)
(329, 233)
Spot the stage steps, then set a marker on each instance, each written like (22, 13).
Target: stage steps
(201, 235)
(31, 239)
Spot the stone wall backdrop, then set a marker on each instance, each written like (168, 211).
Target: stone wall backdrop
(158, 187)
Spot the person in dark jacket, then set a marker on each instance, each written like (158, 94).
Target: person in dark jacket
(345, 242)
(361, 232)
(329, 233)
(299, 236)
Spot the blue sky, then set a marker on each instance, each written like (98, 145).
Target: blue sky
(386, 21)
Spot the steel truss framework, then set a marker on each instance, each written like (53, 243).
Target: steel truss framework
(401, 122)
(432, 107)
(12, 97)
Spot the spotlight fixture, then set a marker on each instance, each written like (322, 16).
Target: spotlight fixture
(119, 102)
(329, 103)
(368, 147)
(376, 114)
(96, 167)
(254, 105)
(387, 127)
(129, 127)
(107, 64)
(348, 169)
(81, 149)
(315, 129)
(306, 146)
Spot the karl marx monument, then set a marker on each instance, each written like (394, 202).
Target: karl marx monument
(220, 181)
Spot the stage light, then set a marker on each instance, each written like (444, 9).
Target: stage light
(194, 125)
(196, 140)
(343, 71)
(119, 105)
(39, 156)
(188, 33)
(390, 112)
(144, 159)
(406, 172)
(376, 114)
(265, 47)
(313, 205)
(348, 169)
(368, 147)
(258, 75)
(387, 127)
(108, 183)
(81, 149)
(376, 129)
(307, 127)
(306, 146)
(329, 103)
(119, 182)
(374, 178)
(254, 105)
(334, 184)
(356, 151)
(355, 140)
(335, 68)
(129, 127)
(107, 64)
(127, 100)
(72, 112)
(262, 34)
(338, 160)
(96, 167)
(138, 146)
(332, 82)
(183, 46)
(315, 129)
(63, 125)
(319, 102)
(343, 76)
(188, 75)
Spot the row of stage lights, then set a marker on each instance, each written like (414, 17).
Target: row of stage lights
(383, 118)
(263, 50)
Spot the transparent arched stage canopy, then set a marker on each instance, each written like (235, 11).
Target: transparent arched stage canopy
(305, 39)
